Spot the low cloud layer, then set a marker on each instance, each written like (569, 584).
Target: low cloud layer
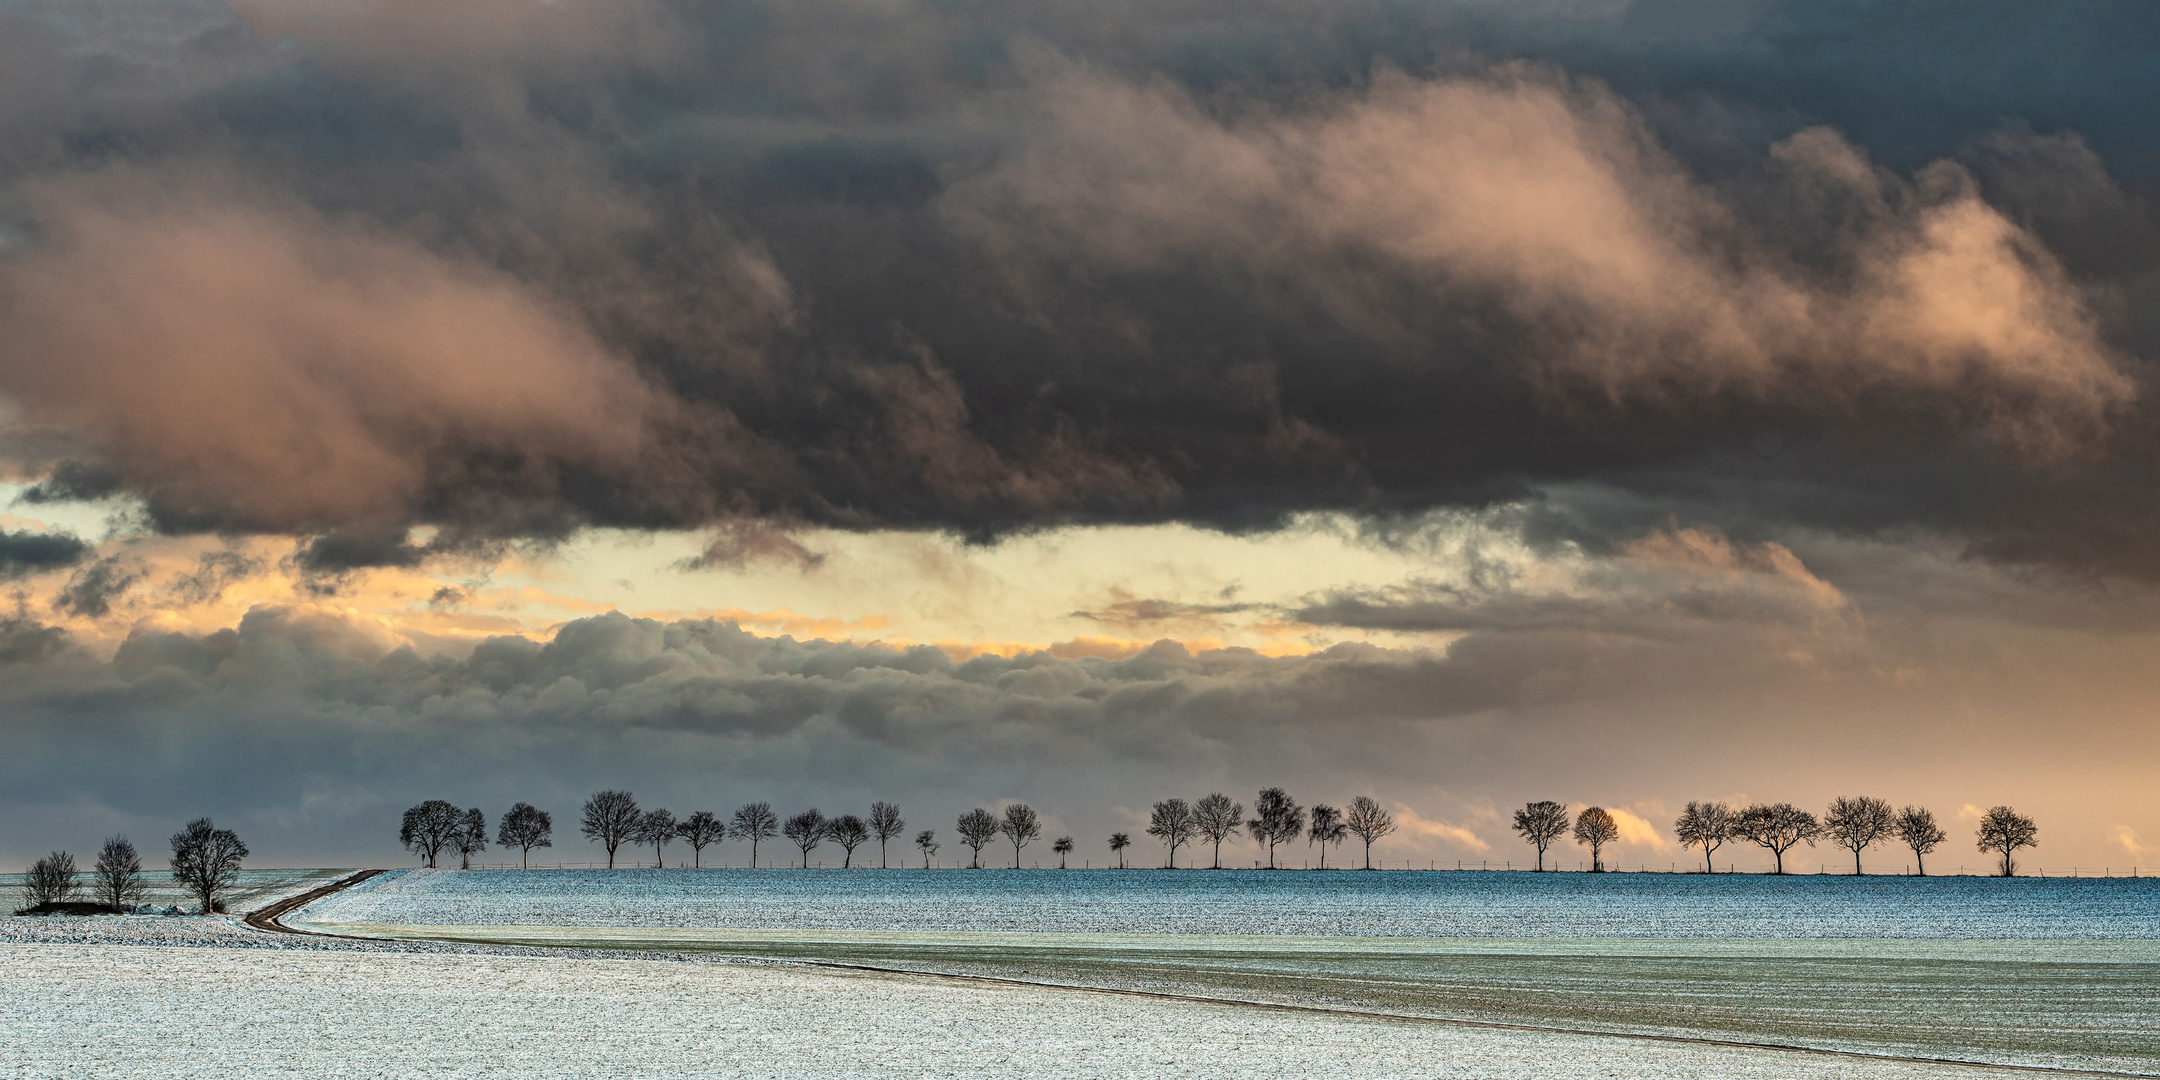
(313, 727)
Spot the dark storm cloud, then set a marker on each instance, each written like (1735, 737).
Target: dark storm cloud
(24, 553)
(335, 269)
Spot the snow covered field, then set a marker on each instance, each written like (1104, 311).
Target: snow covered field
(1445, 905)
(2046, 973)
(127, 1011)
(761, 973)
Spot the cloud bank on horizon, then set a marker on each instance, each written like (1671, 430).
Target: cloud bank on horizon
(1790, 359)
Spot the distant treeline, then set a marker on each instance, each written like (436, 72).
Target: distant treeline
(613, 820)
(1855, 823)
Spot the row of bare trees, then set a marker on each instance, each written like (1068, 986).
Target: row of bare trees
(613, 819)
(205, 861)
(1855, 823)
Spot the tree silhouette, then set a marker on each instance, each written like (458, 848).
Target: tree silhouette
(657, 827)
(1541, 823)
(1706, 825)
(1595, 826)
(429, 827)
(806, 830)
(1217, 819)
(525, 827)
(885, 823)
(927, 841)
(1916, 827)
(754, 822)
(611, 818)
(1021, 825)
(976, 828)
(116, 879)
(470, 838)
(1278, 819)
(1368, 822)
(2003, 831)
(1063, 845)
(1327, 828)
(1118, 843)
(1172, 823)
(53, 880)
(206, 860)
(1859, 823)
(1777, 827)
(850, 832)
(699, 829)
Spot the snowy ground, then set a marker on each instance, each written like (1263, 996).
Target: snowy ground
(697, 994)
(1397, 904)
(2057, 974)
(125, 1011)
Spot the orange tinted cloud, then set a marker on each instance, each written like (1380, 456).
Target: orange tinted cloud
(295, 370)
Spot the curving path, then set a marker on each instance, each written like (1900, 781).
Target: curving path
(266, 918)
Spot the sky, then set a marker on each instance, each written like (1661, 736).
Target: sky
(963, 402)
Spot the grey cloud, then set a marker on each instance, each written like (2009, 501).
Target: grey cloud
(91, 591)
(806, 263)
(25, 553)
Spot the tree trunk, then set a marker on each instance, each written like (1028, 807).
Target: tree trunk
(1780, 853)
(1368, 854)
(1856, 862)
(1919, 862)
(1218, 854)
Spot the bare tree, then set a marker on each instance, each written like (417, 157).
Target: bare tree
(1541, 823)
(977, 827)
(525, 827)
(1368, 822)
(698, 830)
(1063, 845)
(1278, 819)
(51, 880)
(1217, 819)
(754, 822)
(2003, 831)
(206, 860)
(430, 827)
(1706, 825)
(1595, 826)
(1859, 823)
(927, 841)
(1916, 827)
(1021, 825)
(850, 832)
(1173, 824)
(807, 830)
(1327, 828)
(1777, 827)
(1118, 843)
(656, 827)
(470, 837)
(117, 877)
(611, 819)
(885, 823)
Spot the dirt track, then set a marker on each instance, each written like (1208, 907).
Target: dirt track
(266, 918)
